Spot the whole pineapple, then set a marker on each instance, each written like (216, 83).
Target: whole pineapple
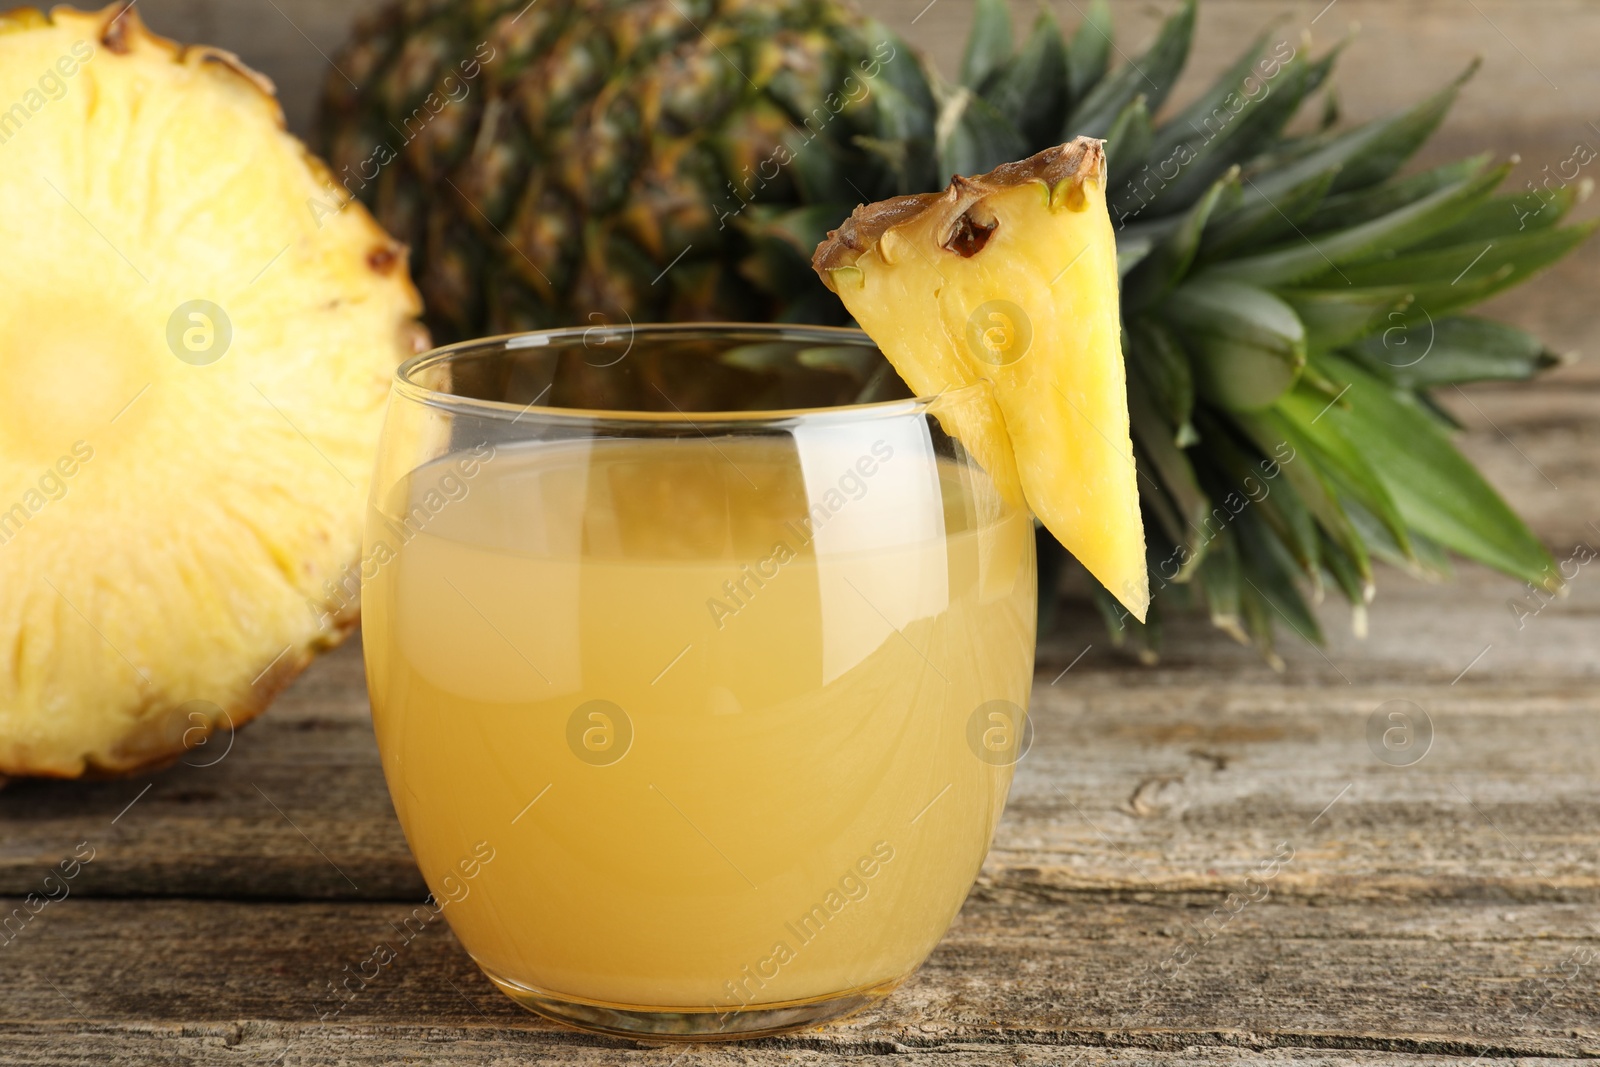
(676, 159)
(552, 160)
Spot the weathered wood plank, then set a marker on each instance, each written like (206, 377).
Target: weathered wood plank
(1193, 770)
(278, 1045)
(1492, 979)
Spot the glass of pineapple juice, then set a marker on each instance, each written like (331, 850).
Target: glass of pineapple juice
(698, 681)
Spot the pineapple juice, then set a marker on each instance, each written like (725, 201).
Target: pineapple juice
(717, 710)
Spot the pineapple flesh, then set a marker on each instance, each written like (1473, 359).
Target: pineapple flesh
(1011, 278)
(196, 345)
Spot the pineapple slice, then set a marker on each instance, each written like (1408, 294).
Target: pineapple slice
(196, 344)
(1011, 278)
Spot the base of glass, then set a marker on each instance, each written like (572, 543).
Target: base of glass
(691, 1024)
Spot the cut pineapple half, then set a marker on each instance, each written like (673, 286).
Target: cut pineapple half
(1011, 278)
(196, 343)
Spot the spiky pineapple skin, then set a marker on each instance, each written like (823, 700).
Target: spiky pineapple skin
(574, 160)
(184, 573)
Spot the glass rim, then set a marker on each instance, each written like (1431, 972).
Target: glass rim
(405, 383)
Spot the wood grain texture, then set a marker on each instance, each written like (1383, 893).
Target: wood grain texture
(229, 1045)
(1017, 969)
(1178, 778)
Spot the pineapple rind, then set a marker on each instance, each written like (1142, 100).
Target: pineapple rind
(186, 569)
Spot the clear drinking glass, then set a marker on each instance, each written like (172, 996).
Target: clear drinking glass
(699, 659)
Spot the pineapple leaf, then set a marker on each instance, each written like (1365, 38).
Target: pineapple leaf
(1356, 587)
(1307, 259)
(1430, 561)
(1524, 255)
(1363, 205)
(1452, 351)
(1261, 223)
(1152, 74)
(1186, 124)
(1366, 155)
(1158, 452)
(1334, 317)
(1127, 142)
(1421, 558)
(988, 44)
(903, 106)
(1259, 623)
(1031, 89)
(973, 137)
(1507, 216)
(914, 80)
(1089, 51)
(1437, 491)
(800, 228)
(1152, 230)
(1387, 143)
(1219, 579)
(1295, 527)
(1270, 572)
(1330, 109)
(1268, 432)
(1160, 519)
(1163, 368)
(1292, 150)
(1241, 135)
(1170, 258)
(1318, 73)
(1299, 418)
(1247, 346)
(1238, 482)
(1131, 252)
(1425, 403)
(903, 161)
(1516, 265)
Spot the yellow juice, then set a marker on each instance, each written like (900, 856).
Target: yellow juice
(699, 724)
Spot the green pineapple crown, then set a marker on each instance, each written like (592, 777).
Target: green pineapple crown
(1290, 300)
(1289, 304)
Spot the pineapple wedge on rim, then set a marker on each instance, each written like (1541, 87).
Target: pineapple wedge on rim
(1011, 277)
(196, 346)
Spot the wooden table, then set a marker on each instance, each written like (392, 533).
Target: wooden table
(1442, 912)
